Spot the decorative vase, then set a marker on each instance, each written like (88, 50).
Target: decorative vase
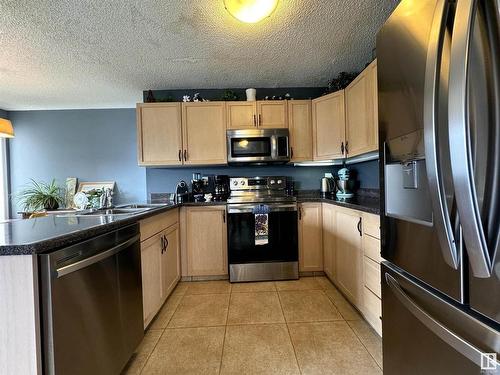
(251, 94)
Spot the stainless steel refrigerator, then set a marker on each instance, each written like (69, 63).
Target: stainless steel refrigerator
(439, 119)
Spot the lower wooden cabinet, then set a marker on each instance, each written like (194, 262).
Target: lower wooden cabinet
(310, 237)
(204, 241)
(160, 262)
(349, 254)
(329, 253)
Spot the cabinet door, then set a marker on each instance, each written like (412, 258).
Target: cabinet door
(349, 256)
(361, 113)
(151, 254)
(328, 126)
(310, 237)
(329, 240)
(241, 115)
(272, 114)
(206, 241)
(159, 134)
(204, 133)
(300, 125)
(170, 264)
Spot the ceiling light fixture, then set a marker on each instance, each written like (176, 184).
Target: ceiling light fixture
(6, 129)
(250, 11)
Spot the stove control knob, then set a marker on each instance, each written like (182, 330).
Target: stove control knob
(242, 182)
(272, 182)
(235, 183)
(279, 182)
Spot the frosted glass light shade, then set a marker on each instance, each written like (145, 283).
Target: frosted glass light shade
(250, 11)
(6, 129)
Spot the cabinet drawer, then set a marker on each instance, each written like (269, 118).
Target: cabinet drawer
(371, 225)
(371, 248)
(373, 310)
(155, 224)
(372, 276)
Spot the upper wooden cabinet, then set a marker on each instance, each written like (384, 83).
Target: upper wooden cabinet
(362, 113)
(300, 125)
(328, 113)
(159, 135)
(310, 237)
(181, 133)
(204, 133)
(241, 115)
(272, 114)
(260, 114)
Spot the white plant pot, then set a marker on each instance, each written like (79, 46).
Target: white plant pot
(251, 94)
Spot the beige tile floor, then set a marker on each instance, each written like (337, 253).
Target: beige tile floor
(287, 327)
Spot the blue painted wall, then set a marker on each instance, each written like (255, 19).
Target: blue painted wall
(165, 180)
(4, 114)
(93, 145)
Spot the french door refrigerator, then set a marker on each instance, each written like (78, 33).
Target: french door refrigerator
(439, 119)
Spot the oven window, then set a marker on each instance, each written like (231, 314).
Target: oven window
(247, 147)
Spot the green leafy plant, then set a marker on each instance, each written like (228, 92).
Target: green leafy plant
(40, 195)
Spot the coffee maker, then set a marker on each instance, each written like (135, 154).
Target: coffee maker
(221, 187)
(198, 187)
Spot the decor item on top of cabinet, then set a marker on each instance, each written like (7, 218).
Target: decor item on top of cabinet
(229, 95)
(186, 98)
(150, 98)
(251, 95)
(341, 81)
(41, 196)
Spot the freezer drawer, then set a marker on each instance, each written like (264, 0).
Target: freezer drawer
(428, 334)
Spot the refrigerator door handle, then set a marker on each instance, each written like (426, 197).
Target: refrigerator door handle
(441, 218)
(460, 345)
(460, 146)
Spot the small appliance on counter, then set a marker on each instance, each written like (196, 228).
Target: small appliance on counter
(198, 187)
(221, 188)
(328, 186)
(343, 183)
(182, 192)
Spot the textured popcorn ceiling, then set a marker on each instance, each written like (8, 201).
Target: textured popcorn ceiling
(103, 53)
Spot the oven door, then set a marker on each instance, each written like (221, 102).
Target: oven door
(250, 261)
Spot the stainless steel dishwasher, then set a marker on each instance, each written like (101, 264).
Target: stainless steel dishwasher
(92, 304)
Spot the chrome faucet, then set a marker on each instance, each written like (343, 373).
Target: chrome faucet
(106, 200)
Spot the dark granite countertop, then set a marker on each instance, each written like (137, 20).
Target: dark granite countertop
(44, 234)
(367, 203)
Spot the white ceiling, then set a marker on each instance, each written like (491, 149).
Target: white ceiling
(102, 54)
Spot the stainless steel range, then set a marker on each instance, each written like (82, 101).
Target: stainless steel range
(262, 230)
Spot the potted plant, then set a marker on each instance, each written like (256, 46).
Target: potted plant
(40, 195)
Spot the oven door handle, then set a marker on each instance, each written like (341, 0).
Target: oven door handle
(95, 258)
(249, 208)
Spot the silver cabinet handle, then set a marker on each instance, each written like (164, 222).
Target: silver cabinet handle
(462, 164)
(452, 339)
(95, 258)
(441, 218)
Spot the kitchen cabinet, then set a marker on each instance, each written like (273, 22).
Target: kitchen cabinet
(328, 114)
(310, 237)
(300, 125)
(349, 254)
(160, 261)
(159, 135)
(362, 113)
(329, 236)
(204, 233)
(260, 114)
(272, 114)
(172, 134)
(204, 133)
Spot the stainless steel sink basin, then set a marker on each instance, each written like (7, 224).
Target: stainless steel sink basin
(144, 205)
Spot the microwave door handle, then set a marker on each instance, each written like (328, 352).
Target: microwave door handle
(460, 149)
(441, 217)
(274, 147)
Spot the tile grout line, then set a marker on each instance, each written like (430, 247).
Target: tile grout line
(162, 333)
(289, 335)
(225, 328)
(362, 343)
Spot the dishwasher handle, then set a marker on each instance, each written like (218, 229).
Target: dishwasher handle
(60, 272)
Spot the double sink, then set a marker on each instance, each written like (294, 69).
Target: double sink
(128, 209)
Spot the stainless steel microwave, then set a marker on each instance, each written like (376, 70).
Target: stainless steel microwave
(258, 146)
